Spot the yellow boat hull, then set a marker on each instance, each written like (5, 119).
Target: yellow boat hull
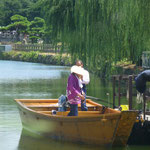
(91, 127)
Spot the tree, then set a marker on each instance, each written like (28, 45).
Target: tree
(36, 29)
(34, 9)
(8, 9)
(26, 8)
(20, 24)
(100, 32)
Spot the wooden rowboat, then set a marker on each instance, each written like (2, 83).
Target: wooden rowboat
(99, 125)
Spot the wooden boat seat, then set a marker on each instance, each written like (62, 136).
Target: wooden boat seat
(49, 105)
(49, 108)
(80, 113)
(54, 106)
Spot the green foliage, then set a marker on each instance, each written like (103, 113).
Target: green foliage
(36, 29)
(18, 18)
(34, 38)
(37, 26)
(8, 8)
(124, 62)
(67, 60)
(30, 56)
(26, 8)
(34, 9)
(100, 32)
(19, 23)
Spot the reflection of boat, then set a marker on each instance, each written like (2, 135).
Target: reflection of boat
(99, 125)
(30, 141)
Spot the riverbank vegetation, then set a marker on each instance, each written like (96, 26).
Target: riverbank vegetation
(99, 32)
(37, 57)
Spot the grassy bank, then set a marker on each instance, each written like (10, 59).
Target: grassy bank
(37, 57)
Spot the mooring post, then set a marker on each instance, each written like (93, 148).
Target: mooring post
(144, 109)
(130, 91)
(119, 95)
(114, 94)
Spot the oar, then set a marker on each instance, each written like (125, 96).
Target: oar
(91, 97)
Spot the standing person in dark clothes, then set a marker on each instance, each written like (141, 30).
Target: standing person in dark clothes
(83, 82)
(73, 90)
(141, 80)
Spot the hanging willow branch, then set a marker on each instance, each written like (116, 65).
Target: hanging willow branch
(100, 32)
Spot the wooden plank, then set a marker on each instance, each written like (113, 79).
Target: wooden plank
(130, 91)
(88, 101)
(125, 125)
(40, 104)
(38, 100)
(114, 90)
(66, 112)
(80, 113)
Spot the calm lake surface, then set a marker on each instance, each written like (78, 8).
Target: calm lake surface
(32, 80)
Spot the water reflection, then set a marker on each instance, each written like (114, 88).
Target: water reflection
(31, 80)
(24, 71)
(29, 141)
(25, 80)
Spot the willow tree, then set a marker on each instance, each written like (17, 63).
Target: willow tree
(100, 32)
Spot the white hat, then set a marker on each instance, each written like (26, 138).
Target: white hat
(77, 70)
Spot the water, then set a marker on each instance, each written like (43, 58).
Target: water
(32, 80)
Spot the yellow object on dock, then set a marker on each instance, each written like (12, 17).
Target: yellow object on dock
(124, 107)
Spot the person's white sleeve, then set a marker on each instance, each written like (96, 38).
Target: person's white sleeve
(86, 77)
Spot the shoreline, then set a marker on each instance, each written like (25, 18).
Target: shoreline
(62, 60)
(37, 57)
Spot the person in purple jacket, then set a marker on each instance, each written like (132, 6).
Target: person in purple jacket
(73, 90)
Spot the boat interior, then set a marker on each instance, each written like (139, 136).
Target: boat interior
(50, 107)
